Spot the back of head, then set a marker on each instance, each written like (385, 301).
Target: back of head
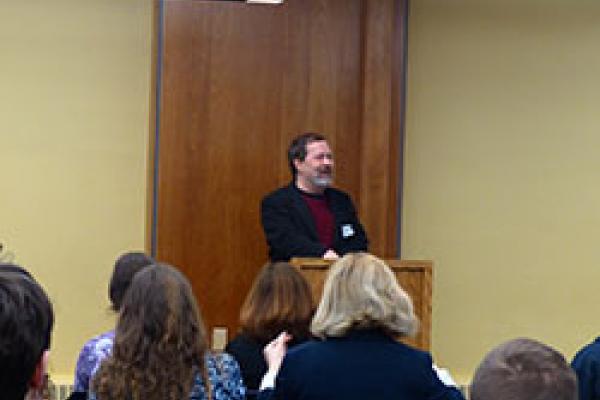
(126, 266)
(361, 292)
(26, 320)
(160, 340)
(297, 149)
(280, 299)
(524, 369)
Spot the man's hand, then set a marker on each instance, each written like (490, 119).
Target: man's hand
(331, 255)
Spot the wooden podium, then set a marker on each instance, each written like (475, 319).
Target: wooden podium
(414, 277)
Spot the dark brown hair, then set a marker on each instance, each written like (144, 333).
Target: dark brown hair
(160, 341)
(126, 266)
(297, 149)
(26, 321)
(524, 369)
(280, 299)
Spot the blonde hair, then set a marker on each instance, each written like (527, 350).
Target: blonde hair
(361, 292)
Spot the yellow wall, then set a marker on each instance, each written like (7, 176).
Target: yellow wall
(75, 100)
(500, 176)
(502, 171)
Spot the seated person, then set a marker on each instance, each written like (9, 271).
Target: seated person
(524, 369)
(26, 318)
(587, 367)
(99, 347)
(160, 349)
(361, 315)
(280, 299)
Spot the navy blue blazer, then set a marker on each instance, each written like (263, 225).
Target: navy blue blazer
(291, 231)
(362, 365)
(586, 364)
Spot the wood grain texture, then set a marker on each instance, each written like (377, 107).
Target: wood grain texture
(397, 113)
(414, 276)
(238, 82)
(381, 125)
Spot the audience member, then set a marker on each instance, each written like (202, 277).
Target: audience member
(26, 320)
(279, 300)
(99, 347)
(160, 347)
(587, 367)
(524, 369)
(361, 315)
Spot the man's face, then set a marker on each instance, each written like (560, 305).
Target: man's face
(317, 168)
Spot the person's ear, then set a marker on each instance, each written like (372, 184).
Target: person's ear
(38, 380)
(297, 163)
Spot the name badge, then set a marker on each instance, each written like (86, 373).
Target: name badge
(347, 231)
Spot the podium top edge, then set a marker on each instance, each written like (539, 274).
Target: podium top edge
(320, 263)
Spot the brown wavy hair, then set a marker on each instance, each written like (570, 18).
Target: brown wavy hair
(280, 299)
(160, 341)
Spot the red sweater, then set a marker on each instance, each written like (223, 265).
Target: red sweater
(323, 217)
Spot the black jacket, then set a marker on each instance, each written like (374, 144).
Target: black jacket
(248, 352)
(291, 231)
(361, 365)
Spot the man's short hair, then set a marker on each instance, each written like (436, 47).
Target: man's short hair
(126, 266)
(297, 149)
(524, 369)
(26, 320)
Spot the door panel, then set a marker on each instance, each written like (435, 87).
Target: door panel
(238, 82)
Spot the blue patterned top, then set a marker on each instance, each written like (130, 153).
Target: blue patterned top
(90, 357)
(224, 376)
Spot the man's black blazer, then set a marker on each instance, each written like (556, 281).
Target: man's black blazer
(291, 231)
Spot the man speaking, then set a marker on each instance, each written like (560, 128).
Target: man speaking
(309, 218)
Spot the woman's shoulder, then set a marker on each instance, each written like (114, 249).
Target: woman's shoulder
(220, 362)
(358, 342)
(243, 342)
(224, 376)
(99, 342)
(590, 352)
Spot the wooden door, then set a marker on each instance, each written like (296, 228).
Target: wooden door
(237, 82)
